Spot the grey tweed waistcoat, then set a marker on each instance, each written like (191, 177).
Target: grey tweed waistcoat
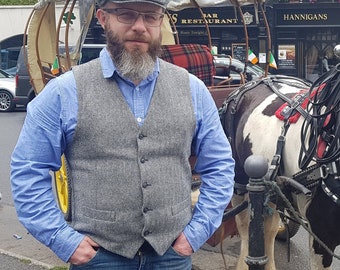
(129, 183)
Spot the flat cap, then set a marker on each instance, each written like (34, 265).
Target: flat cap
(161, 3)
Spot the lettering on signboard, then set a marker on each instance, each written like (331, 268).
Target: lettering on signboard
(305, 17)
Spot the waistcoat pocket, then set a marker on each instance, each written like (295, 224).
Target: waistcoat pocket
(99, 214)
(179, 207)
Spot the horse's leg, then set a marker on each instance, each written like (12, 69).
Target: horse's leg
(194, 197)
(242, 223)
(304, 203)
(325, 225)
(315, 259)
(271, 227)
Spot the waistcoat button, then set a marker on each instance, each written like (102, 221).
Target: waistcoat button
(146, 233)
(143, 159)
(145, 184)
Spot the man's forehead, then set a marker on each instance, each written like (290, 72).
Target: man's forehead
(160, 3)
(135, 6)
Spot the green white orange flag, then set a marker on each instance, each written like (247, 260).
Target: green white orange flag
(272, 62)
(252, 57)
(55, 67)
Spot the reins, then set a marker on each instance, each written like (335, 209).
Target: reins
(324, 120)
(321, 120)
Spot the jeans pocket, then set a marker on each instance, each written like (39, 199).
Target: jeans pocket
(177, 253)
(89, 264)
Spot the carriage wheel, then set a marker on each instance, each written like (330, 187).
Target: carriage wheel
(63, 189)
(287, 228)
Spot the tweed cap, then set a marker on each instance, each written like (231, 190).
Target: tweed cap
(161, 3)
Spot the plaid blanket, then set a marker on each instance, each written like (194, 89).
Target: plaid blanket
(195, 58)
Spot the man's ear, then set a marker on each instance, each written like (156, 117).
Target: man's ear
(102, 16)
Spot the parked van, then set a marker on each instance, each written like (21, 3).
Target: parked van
(24, 90)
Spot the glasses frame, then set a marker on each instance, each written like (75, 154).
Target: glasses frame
(115, 11)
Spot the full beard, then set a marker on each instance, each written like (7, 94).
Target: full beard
(135, 65)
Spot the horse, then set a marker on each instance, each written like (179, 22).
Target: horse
(295, 126)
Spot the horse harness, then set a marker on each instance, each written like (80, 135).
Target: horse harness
(326, 170)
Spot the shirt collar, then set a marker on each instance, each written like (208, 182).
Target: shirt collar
(109, 68)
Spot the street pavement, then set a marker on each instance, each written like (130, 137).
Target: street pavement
(19, 250)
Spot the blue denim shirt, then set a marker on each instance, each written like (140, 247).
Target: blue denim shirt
(49, 128)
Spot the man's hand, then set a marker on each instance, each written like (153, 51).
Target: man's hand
(182, 245)
(86, 250)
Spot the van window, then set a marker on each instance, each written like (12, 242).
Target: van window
(88, 54)
(9, 57)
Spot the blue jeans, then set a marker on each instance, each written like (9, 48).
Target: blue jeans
(106, 260)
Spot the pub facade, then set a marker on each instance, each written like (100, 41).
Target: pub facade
(301, 34)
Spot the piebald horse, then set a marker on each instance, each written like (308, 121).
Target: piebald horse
(296, 127)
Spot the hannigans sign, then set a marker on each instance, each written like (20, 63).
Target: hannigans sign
(307, 15)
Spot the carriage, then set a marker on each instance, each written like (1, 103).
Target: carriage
(246, 111)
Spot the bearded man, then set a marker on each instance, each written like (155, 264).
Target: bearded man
(127, 123)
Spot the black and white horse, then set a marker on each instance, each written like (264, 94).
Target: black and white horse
(306, 120)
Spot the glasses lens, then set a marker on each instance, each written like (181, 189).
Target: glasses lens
(127, 16)
(153, 19)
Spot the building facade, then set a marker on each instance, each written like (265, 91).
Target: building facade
(13, 22)
(303, 35)
(300, 34)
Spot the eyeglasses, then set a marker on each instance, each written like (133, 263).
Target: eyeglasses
(130, 16)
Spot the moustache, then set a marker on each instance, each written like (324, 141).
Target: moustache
(138, 39)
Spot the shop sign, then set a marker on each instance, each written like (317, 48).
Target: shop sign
(286, 55)
(239, 51)
(308, 17)
(212, 16)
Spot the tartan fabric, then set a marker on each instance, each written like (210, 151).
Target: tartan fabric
(195, 58)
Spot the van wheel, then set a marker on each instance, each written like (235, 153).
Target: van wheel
(6, 102)
(63, 189)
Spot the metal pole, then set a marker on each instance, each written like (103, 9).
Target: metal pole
(256, 168)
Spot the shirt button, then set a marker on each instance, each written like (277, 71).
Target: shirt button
(139, 119)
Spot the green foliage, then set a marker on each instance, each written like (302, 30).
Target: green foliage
(26, 261)
(59, 268)
(17, 2)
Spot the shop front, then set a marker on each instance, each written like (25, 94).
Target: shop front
(227, 31)
(304, 38)
(303, 35)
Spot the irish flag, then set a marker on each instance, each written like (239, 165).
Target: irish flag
(55, 67)
(252, 57)
(272, 62)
